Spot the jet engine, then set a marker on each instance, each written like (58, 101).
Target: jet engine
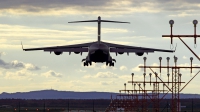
(76, 52)
(139, 53)
(120, 52)
(57, 53)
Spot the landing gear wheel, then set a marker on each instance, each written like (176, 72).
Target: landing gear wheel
(113, 64)
(106, 63)
(84, 64)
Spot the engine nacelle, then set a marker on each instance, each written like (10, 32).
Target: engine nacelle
(76, 52)
(139, 54)
(120, 52)
(57, 53)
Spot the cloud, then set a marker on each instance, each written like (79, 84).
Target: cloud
(82, 71)
(52, 73)
(102, 75)
(107, 82)
(98, 66)
(19, 32)
(184, 14)
(45, 6)
(180, 8)
(107, 30)
(2, 54)
(49, 4)
(19, 75)
(30, 66)
(137, 69)
(1, 73)
(16, 64)
(106, 75)
(123, 68)
(184, 57)
(109, 7)
(129, 77)
(13, 34)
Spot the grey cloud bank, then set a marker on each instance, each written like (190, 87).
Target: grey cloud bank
(17, 65)
(50, 3)
(99, 5)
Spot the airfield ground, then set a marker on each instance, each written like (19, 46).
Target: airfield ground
(62, 105)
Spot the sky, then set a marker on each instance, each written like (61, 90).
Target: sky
(42, 23)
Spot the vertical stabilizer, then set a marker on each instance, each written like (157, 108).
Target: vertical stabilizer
(99, 25)
(99, 29)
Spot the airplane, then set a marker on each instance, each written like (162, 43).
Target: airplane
(99, 51)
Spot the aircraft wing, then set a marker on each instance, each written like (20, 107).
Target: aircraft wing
(66, 48)
(123, 48)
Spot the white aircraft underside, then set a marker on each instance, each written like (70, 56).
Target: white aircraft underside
(98, 51)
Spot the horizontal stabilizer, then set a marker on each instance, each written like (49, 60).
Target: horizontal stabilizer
(98, 21)
(83, 21)
(114, 21)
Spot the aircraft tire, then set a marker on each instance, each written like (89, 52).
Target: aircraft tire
(86, 63)
(113, 64)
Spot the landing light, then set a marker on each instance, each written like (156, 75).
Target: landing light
(195, 22)
(171, 22)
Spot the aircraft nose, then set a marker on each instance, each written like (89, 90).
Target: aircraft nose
(96, 47)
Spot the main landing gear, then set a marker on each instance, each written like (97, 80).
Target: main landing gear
(86, 63)
(111, 63)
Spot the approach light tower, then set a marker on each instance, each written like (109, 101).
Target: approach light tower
(195, 22)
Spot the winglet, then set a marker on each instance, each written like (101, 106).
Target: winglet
(22, 46)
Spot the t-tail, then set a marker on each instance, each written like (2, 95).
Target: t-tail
(99, 25)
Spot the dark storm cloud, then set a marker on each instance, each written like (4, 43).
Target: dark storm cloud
(6, 4)
(100, 5)
(168, 5)
(178, 5)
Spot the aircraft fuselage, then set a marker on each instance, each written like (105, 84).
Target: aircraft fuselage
(98, 52)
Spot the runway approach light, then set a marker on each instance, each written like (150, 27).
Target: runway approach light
(175, 59)
(145, 58)
(195, 22)
(125, 86)
(168, 58)
(171, 22)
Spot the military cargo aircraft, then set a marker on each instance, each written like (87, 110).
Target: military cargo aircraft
(98, 51)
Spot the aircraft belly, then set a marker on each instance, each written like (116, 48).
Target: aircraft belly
(99, 56)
